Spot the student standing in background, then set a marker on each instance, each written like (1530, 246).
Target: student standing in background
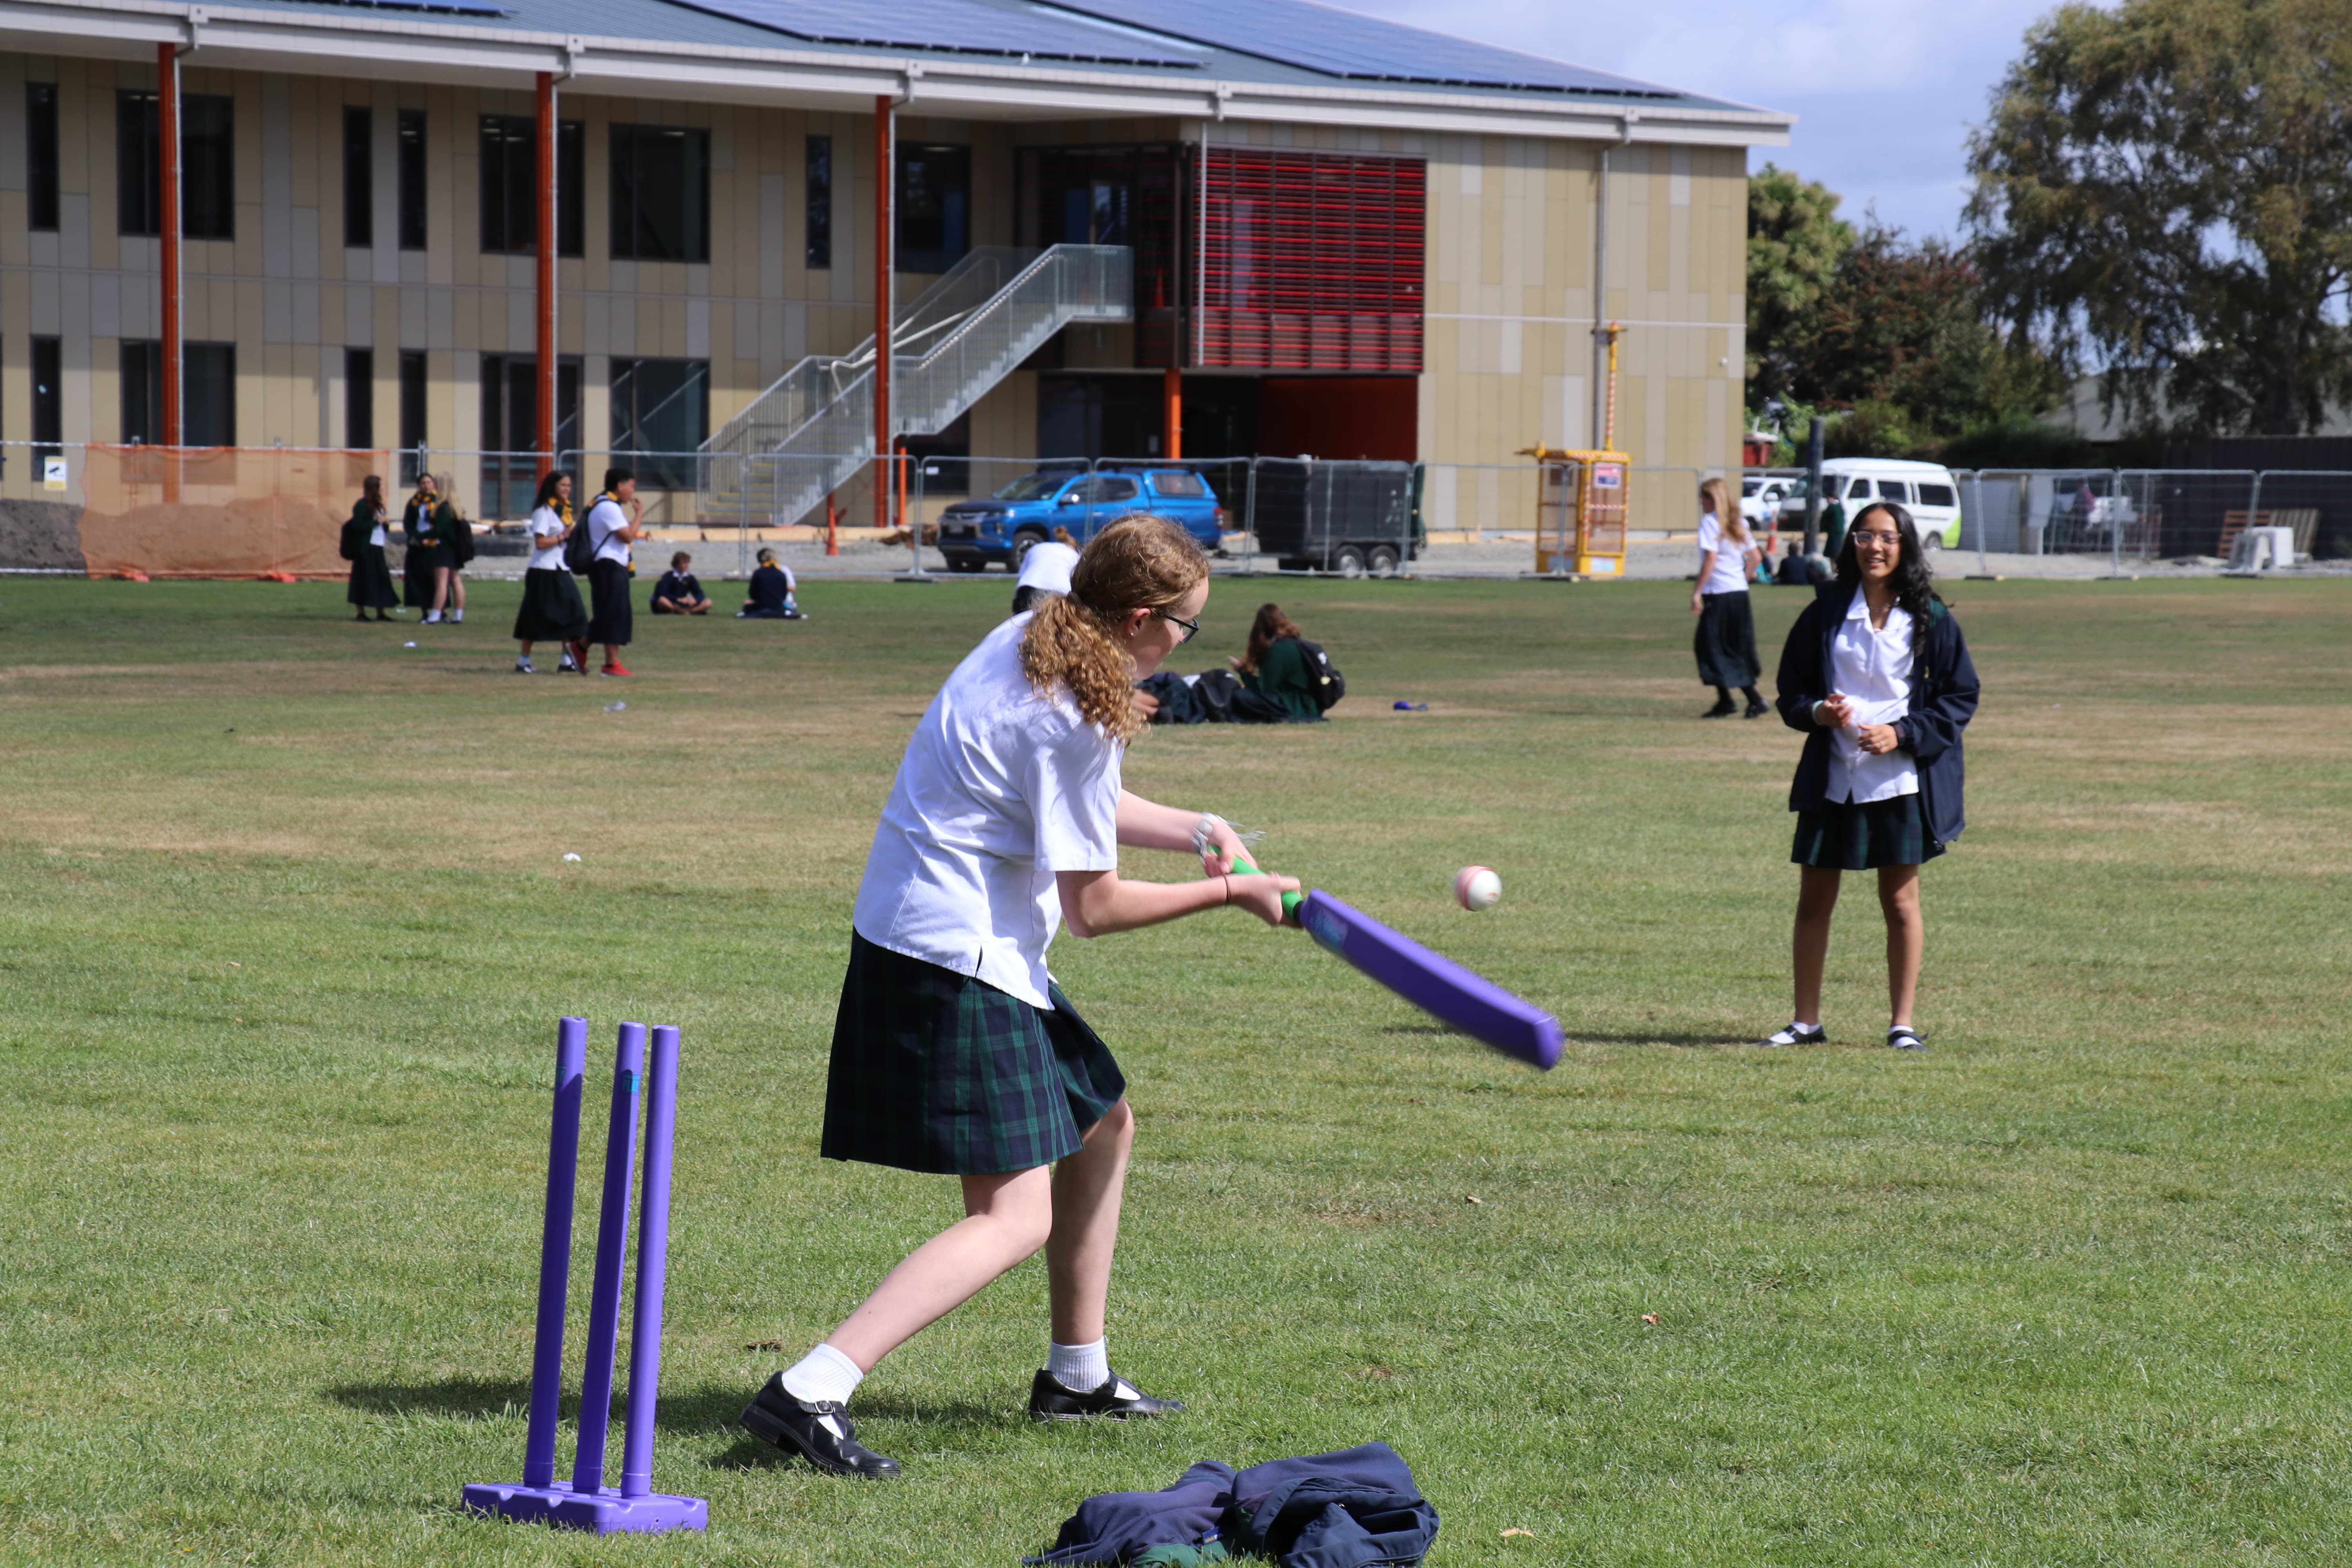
(1724, 638)
(551, 610)
(420, 567)
(456, 541)
(363, 541)
(612, 525)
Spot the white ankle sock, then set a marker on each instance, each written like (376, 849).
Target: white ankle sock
(1801, 1024)
(822, 1375)
(1081, 1369)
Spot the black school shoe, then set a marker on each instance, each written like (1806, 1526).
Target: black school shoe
(821, 1433)
(1798, 1034)
(1117, 1398)
(1903, 1039)
(1721, 711)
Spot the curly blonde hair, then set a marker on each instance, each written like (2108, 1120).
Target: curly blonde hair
(1140, 562)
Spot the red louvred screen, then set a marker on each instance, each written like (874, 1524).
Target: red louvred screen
(1312, 261)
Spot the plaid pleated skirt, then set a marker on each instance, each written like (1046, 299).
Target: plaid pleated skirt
(943, 1073)
(1860, 836)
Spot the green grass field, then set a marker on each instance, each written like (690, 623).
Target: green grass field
(285, 928)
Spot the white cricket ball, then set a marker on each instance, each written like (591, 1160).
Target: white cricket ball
(1477, 887)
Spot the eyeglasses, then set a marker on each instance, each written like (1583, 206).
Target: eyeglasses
(1872, 535)
(1192, 628)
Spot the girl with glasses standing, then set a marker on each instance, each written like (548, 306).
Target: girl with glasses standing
(1877, 677)
(954, 1050)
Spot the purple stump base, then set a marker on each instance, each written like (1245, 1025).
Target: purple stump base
(605, 1513)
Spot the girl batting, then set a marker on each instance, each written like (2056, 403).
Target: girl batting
(954, 1050)
(1877, 676)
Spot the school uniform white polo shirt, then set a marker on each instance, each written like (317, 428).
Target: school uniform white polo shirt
(1872, 669)
(1002, 787)
(605, 522)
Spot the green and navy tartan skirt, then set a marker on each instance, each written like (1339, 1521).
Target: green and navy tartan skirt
(1860, 836)
(944, 1073)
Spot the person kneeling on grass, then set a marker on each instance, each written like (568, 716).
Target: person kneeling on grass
(954, 1050)
(1877, 676)
(769, 595)
(680, 592)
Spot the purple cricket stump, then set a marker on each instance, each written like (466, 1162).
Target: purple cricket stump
(612, 1247)
(555, 1253)
(653, 1248)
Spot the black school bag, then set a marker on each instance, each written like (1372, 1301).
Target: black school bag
(1329, 684)
(579, 550)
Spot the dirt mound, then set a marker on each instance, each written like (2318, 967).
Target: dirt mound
(40, 534)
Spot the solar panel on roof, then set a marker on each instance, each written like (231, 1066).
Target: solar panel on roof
(436, 7)
(965, 26)
(1345, 44)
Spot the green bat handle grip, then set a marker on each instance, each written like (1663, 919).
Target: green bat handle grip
(1290, 901)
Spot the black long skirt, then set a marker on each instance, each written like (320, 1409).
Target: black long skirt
(1725, 641)
(608, 591)
(416, 574)
(371, 586)
(551, 609)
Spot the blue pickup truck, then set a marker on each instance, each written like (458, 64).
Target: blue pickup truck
(1003, 526)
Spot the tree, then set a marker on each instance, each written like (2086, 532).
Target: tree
(1794, 241)
(2169, 183)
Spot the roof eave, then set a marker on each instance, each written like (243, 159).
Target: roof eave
(447, 50)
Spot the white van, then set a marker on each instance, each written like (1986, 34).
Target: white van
(1924, 490)
(1760, 496)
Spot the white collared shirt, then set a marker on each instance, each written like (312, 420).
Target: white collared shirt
(1872, 668)
(546, 541)
(1730, 574)
(605, 522)
(1001, 788)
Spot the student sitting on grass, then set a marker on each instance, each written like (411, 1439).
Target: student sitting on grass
(679, 592)
(1877, 675)
(771, 596)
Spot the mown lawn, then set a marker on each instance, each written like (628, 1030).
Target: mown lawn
(285, 928)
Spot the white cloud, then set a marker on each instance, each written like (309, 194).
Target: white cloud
(1883, 90)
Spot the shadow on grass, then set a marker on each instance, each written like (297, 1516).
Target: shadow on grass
(1585, 1038)
(713, 1407)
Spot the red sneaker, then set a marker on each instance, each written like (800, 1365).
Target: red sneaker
(575, 656)
(611, 669)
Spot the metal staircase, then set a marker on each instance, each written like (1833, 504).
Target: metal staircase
(813, 430)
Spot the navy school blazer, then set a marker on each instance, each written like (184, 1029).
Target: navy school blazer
(1943, 700)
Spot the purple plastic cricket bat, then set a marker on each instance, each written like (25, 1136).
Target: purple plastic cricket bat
(1437, 986)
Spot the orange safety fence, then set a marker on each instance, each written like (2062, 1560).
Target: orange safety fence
(221, 511)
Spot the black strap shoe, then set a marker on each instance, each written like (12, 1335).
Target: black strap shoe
(1903, 1039)
(821, 1433)
(1117, 1398)
(1797, 1034)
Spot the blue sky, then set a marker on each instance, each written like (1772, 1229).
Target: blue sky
(1884, 90)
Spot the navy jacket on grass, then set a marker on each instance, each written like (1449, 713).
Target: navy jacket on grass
(1359, 1507)
(1943, 701)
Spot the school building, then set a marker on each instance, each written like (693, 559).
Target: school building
(494, 229)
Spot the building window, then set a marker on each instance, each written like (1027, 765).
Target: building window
(208, 394)
(41, 155)
(661, 194)
(1312, 261)
(138, 192)
(510, 182)
(661, 416)
(48, 396)
(412, 181)
(510, 428)
(934, 208)
(142, 392)
(359, 175)
(359, 399)
(820, 201)
(412, 414)
(207, 166)
(207, 171)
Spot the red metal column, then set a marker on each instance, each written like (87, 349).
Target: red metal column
(1171, 388)
(167, 136)
(885, 242)
(544, 437)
